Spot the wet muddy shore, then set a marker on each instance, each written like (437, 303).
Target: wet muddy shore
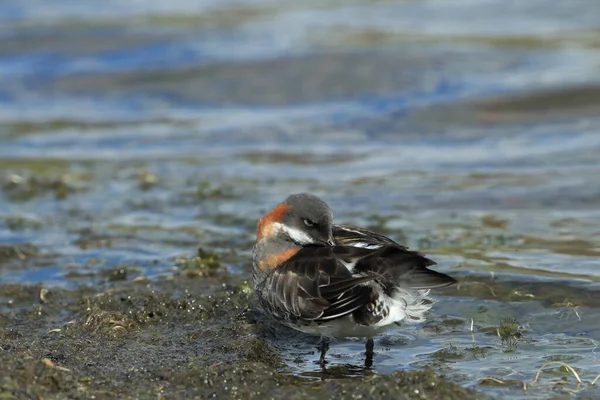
(167, 340)
(196, 332)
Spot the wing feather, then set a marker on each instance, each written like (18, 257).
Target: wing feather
(346, 235)
(398, 266)
(313, 284)
(377, 254)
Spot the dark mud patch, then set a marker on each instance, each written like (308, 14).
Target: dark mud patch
(21, 252)
(18, 188)
(165, 339)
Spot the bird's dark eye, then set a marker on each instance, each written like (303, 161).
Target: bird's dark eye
(308, 223)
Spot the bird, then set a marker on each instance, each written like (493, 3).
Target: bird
(337, 281)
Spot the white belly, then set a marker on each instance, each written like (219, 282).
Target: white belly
(408, 306)
(342, 328)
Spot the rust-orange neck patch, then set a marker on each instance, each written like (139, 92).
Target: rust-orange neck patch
(274, 260)
(265, 224)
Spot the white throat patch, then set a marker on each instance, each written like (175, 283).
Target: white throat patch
(295, 234)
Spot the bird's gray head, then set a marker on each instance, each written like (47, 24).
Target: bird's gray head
(307, 220)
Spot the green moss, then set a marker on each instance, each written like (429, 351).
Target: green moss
(453, 322)
(478, 351)
(258, 351)
(448, 354)
(147, 181)
(490, 381)
(492, 221)
(18, 252)
(509, 332)
(115, 274)
(18, 223)
(20, 189)
(205, 263)
(377, 221)
(208, 190)
(245, 288)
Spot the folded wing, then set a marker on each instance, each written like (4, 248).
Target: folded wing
(399, 267)
(382, 256)
(314, 286)
(345, 235)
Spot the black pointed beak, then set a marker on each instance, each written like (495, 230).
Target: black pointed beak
(328, 242)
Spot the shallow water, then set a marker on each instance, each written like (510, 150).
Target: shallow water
(131, 132)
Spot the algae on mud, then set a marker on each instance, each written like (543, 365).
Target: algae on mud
(164, 339)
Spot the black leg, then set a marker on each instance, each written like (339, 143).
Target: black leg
(369, 353)
(324, 348)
